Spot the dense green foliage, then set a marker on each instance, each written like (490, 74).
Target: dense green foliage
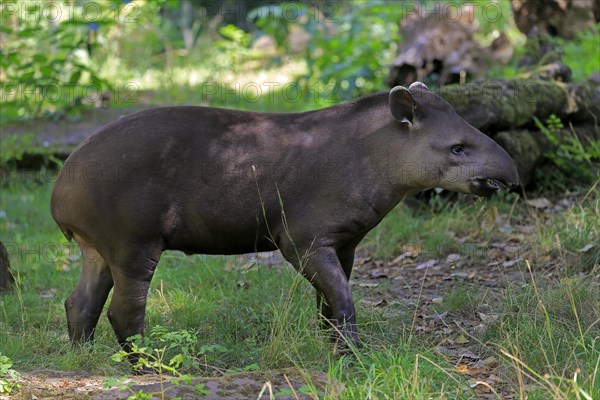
(581, 53)
(8, 376)
(351, 47)
(575, 160)
(47, 66)
(53, 67)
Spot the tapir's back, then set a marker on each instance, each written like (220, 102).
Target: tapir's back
(211, 168)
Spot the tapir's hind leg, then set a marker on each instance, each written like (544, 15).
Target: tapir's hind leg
(85, 302)
(132, 274)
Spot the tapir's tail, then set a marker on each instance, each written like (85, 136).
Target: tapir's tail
(57, 207)
(66, 231)
(63, 228)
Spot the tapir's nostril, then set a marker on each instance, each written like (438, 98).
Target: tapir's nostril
(514, 182)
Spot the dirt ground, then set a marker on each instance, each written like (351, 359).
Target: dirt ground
(51, 385)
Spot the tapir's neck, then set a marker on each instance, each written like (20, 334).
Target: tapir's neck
(361, 117)
(385, 147)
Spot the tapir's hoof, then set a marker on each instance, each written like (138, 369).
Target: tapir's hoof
(347, 348)
(346, 344)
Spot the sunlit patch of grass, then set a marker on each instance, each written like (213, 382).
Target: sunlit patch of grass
(548, 336)
(399, 372)
(398, 230)
(435, 227)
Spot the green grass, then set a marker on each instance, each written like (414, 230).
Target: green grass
(243, 315)
(549, 337)
(548, 331)
(252, 316)
(435, 225)
(398, 372)
(461, 300)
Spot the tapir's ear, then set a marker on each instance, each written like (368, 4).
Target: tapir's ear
(418, 85)
(402, 104)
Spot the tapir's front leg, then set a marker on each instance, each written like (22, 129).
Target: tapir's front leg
(346, 258)
(324, 271)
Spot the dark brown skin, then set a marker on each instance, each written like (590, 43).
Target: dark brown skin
(214, 181)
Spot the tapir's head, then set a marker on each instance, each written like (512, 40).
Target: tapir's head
(445, 150)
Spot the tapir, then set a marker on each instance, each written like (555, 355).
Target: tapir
(218, 181)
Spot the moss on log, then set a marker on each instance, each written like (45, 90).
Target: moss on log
(496, 105)
(527, 149)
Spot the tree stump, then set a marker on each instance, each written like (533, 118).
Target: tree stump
(563, 18)
(439, 46)
(6, 278)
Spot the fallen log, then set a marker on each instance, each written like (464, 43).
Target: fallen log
(530, 148)
(496, 105)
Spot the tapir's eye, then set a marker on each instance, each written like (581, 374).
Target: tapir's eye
(458, 150)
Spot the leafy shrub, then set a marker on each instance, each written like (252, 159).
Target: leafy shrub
(350, 47)
(585, 42)
(46, 65)
(16, 147)
(168, 351)
(574, 159)
(164, 352)
(8, 376)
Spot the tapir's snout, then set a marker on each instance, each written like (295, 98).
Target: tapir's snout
(499, 174)
(488, 186)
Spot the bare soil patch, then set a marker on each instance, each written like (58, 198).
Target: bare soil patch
(49, 384)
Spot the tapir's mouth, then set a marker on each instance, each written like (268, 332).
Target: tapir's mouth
(487, 186)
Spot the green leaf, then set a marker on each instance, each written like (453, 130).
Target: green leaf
(201, 390)
(40, 58)
(252, 367)
(47, 71)
(176, 361)
(305, 389)
(75, 76)
(118, 357)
